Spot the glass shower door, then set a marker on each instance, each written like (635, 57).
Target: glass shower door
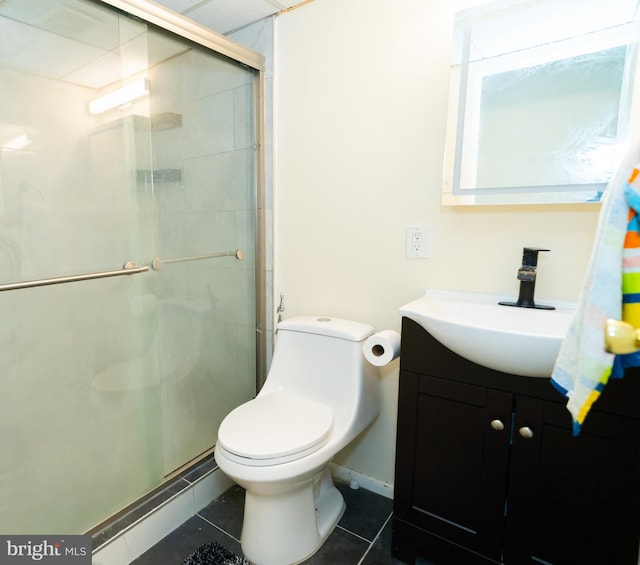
(77, 445)
(203, 189)
(118, 143)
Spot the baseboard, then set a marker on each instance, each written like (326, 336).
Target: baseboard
(358, 480)
(161, 521)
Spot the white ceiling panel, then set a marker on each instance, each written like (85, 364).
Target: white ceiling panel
(131, 58)
(178, 5)
(224, 16)
(29, 49)
(41, 36)
(94, 25)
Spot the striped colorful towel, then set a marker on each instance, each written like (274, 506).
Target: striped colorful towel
(630, 271)
(583, 366)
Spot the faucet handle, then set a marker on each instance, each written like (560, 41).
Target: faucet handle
(530, 256)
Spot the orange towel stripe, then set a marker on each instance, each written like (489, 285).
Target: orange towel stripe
(632, 239)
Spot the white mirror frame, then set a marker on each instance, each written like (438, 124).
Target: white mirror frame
(553, 42)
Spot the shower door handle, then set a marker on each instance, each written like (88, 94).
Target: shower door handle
(129, 268)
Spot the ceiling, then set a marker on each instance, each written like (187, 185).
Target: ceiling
(88, 45)
(225, 16)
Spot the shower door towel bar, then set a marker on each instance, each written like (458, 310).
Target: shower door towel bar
(157, 263)
(128, 268)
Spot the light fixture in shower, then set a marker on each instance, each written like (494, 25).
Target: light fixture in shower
(127, 93)
(19, 142)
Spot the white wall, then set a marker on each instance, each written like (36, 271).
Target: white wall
(361, 91)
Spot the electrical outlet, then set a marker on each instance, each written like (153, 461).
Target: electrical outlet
(418, 242)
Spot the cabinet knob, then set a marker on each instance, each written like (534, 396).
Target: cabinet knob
(526, 432)
(497, 425)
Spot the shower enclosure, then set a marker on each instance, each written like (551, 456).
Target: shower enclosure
(130, 276)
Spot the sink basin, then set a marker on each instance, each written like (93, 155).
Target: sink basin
(519, 341)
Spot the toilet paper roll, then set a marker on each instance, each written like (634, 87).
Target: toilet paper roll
(381, 348)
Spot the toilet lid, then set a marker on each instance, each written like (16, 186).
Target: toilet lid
(274, 426)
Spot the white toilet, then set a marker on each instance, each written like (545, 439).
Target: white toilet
(319, 395)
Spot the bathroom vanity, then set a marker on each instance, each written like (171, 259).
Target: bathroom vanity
(488, 470)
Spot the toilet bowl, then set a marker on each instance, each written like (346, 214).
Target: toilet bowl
(320, 393)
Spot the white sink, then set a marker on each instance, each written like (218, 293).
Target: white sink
(519, 341)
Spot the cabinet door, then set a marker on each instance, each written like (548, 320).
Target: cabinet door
(456, 487)
(572, 499)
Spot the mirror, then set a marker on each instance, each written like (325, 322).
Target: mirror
(541, 100)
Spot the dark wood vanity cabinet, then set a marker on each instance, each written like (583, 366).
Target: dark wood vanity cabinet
(488, 470)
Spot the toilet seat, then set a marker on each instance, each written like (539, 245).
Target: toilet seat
(275, 428)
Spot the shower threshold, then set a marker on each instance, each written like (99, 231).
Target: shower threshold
(118, 539)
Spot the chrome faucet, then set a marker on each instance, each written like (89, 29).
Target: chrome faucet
(527, 277)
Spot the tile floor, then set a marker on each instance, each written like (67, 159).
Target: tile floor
(362, 537)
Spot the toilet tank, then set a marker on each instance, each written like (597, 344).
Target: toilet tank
(321, 358)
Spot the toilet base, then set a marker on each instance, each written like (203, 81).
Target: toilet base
(283, 528)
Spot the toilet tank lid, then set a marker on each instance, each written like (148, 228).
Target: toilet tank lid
(329, 326)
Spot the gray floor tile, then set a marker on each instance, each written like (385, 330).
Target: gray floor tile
(227, 511)
(174, 548)
(341, 548)
(359, 534)
(366, 511)
(380, 551)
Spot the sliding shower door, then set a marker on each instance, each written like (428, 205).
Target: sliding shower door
(127, 257)
(202, 180)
